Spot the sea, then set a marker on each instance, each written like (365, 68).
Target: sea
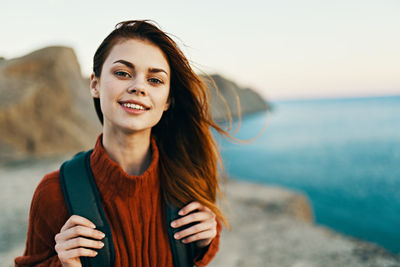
(343, 153)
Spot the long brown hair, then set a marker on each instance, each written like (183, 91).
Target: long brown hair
(189, 156)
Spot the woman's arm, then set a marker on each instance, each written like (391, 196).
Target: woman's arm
(55, 238)
(47, 215)
(29, 261)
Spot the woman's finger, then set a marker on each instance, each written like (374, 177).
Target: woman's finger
(195, 205)
(208, 234)
(66, 255)
(192, 217)
(77, 243)
(79, 231)
(77, 220)
(199, 227)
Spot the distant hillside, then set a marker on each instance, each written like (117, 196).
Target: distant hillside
(46, 107)
(250, 101)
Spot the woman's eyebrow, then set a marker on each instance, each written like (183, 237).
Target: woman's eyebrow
(130, 65)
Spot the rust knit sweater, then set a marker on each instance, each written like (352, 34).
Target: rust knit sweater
(133, 207)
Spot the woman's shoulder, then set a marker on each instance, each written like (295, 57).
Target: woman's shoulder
(47, 215)
(49, 185)
(48, 197)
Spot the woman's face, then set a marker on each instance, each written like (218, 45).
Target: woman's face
(133, 86)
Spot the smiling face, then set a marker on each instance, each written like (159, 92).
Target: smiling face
(133, 86)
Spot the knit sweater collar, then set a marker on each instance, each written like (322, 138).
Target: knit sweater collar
(113, 181)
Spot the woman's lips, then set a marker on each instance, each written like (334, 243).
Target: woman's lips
(130, 108)
(132, 102)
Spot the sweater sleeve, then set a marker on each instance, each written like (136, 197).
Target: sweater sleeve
(205, 256)
(47, 215)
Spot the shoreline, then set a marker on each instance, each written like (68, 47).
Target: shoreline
(290, 237)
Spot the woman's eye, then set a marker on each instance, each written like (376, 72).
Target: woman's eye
(122, 73)
(154, 80)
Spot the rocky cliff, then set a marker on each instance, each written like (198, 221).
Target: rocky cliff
(44, 105)
(250, 101)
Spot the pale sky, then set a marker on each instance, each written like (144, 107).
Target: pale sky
(281, 48)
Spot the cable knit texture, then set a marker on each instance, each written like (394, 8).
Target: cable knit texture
(133, 207)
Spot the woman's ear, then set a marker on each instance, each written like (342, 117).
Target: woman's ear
(169, 104)
(94, 82)
(166, 106)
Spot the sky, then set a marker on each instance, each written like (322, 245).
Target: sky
(284, 49)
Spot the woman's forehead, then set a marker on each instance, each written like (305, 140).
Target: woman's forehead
(139, 53)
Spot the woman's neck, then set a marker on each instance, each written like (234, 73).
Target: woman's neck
(131, 151)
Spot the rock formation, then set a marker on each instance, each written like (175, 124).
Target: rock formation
(44, 105)
(250, 101)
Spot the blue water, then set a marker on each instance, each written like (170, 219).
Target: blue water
(343, 153)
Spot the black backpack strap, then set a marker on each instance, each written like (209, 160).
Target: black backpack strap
(82, 198)
(183, 254)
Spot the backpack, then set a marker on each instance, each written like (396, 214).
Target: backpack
(82, 198)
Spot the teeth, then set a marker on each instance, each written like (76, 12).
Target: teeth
(134, 106)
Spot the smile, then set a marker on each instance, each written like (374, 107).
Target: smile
(133, 106)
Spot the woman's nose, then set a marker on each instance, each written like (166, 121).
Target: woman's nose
(137, 87)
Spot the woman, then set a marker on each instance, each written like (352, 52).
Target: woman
(155, 147)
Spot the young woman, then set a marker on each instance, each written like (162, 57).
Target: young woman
(156, 147)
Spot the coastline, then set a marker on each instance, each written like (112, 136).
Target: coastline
(278, 228)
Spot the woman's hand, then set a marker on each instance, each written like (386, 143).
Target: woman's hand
(203, 232)
(71, 244)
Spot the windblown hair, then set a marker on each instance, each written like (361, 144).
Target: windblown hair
(189, 156)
